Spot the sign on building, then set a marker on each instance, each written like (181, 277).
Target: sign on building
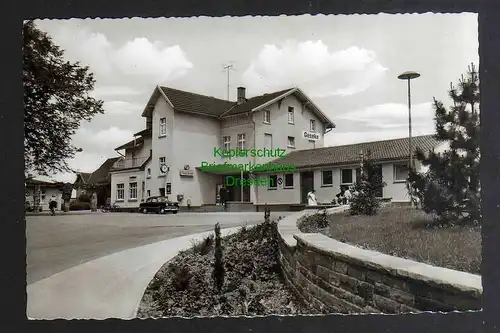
(310, 135)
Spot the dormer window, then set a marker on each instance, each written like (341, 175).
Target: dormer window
(312, 125)
(163, 126)
(291, 115)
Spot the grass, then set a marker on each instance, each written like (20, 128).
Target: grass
(407, 233)
(253, 283)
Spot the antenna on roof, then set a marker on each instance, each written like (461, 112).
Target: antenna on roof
(228, 68)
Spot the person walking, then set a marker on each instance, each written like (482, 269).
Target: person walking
(222, 196)
(53, 205)
(311, 198)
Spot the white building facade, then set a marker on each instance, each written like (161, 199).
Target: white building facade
(185, 131)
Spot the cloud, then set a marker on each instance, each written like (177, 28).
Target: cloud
(122, 108)
(137, 58)
(391, 115)
(312, 66)
(106, 92)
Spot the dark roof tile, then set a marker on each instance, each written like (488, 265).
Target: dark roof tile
(254, 102)
(196, 103)
(102, 175)
(349, 154)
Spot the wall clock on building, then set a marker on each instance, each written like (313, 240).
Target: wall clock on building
(163, 168)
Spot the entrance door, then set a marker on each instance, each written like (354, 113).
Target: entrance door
(306, 185)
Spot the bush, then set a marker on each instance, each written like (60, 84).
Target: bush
(313, 223)
(219, 264)
(79, 206)
(365, 201)
(84, 198)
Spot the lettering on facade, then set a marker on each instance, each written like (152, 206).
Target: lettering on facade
(310, 135)
(187, 171)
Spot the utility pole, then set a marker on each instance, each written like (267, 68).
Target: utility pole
(228, 68)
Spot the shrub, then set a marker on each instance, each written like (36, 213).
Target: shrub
(314, 222)
(84, 198)
(203, 247)
(218, 273)
(79, 206)
(365, 201)
(181, 276)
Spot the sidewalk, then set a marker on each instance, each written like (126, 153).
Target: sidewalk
(108, 287)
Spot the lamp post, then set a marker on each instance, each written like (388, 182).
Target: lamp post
(409, 75)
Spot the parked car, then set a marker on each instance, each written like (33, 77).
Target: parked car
(159, 205)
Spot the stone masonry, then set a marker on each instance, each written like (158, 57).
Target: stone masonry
(335, 277)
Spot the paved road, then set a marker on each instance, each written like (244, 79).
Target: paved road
(57, 243)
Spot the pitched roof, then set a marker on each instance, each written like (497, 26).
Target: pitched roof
(102, 173)
(196, 103)
(84, 176)
(131, 144)
(31, 181)
(386, 150)
(254, 102)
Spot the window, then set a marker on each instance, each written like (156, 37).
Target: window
(273, 182)
(149, 173)
(312, 125)
(327, 178)
(289, 180)
(346, 176)
(400, 172)
(162, 162)
(290, 115)
(43, 196)
(241, 141)
(162, 191)
(267, 116)
(133, 191)
(143, 186)
(163, 126)
(226, 141)
(268, 141)
(291, 142)
(148, 194)
(120, 191)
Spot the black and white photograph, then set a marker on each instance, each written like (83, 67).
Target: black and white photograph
(252, 166)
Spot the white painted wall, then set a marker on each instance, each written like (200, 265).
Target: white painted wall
(124, 178)
(194, 140)
(44, 199)
(281, 129)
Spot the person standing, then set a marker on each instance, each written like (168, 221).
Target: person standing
(53, 205)
(222, 196)
(311, 198)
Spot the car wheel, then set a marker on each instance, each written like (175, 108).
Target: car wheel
(144, 211)
(174, 212)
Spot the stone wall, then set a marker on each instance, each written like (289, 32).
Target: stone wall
(337, 277)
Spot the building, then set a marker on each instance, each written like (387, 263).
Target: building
(98, 181)
(184, 130)
(327, 169)
(45, 191)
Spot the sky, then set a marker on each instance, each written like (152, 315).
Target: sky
(347, 64)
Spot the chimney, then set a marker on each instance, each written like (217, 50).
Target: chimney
(241, 95)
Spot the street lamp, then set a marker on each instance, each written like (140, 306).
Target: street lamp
(409, 75)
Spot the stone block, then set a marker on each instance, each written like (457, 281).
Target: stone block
(323, 273)
(385, 304)
(426, 304)
(394, 294)
(340, 267)
(356, 272)
(337, 304)
(373, 276)
(395, 282)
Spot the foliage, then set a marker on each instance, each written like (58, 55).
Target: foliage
(365, 201)
(315, 222)
(56, 100)
(253, 284)
(67, 190)
(412, 234)
(450, 189)
(218, 264)
(84, 198)
(77, 205)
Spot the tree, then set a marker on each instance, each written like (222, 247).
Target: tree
(67, 190)
(366, 188)
(218, 272)
(56, 100)
(450, 189)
